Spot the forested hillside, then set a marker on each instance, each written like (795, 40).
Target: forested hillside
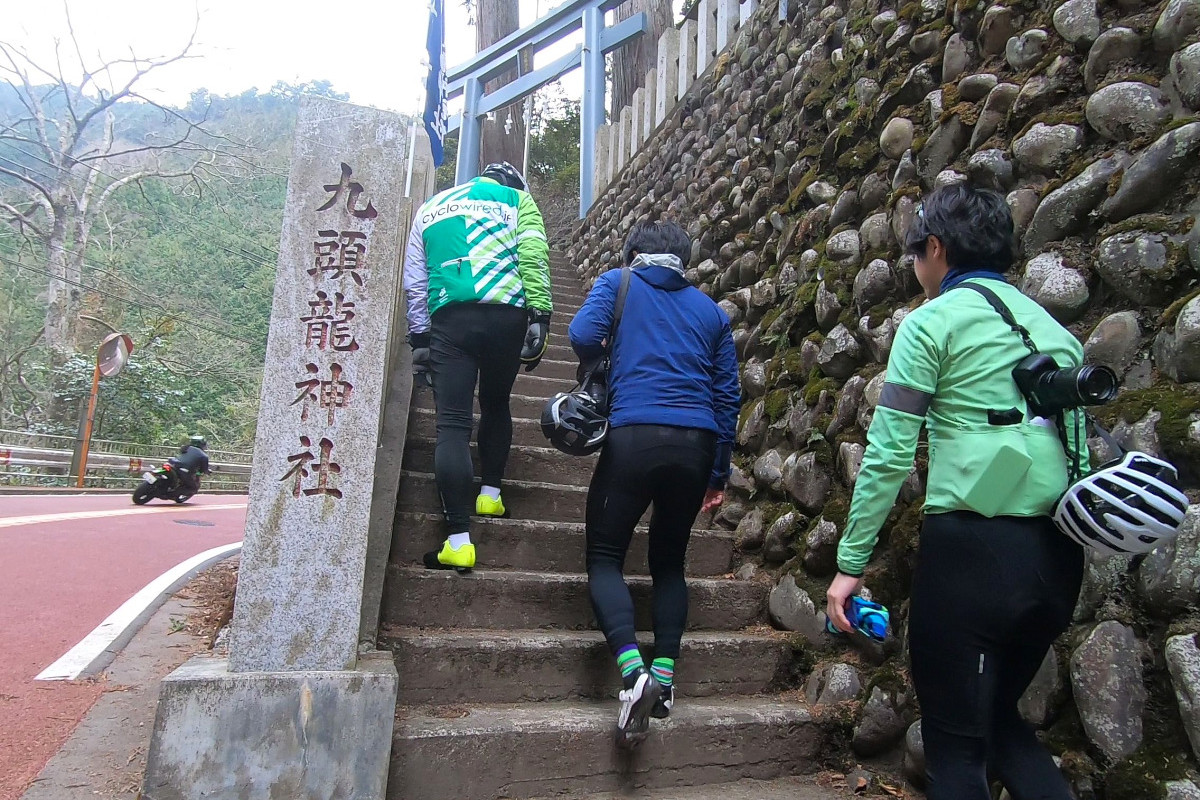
(185, 267)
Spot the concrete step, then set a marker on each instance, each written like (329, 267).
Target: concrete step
(546, 546)
(551, 502)
(538, 666)
(537, 385)
(547, 749)
(524, 463)
(562, 352)
(527, 432)
(553, 368)
(790, 788)
(421, 598)
(522, 406)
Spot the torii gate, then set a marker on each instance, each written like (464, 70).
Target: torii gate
(468, 79)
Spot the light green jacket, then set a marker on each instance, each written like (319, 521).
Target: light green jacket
(951, 362)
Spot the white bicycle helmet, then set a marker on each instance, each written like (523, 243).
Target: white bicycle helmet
(1128, 506)
(573, 423)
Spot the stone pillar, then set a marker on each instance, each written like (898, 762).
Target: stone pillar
(748, 8)
(706, 34)
(390, 451)
(625, 144)
(688, 68)
(651, 89)
(296, 711)
(614, 153)
(728, 17)
(637, 112)
(603, 144)
(667, 89)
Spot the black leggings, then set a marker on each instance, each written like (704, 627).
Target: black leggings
(990, 596)
(473, 341)
(640, 465)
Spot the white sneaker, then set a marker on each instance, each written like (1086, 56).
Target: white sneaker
(633, 723)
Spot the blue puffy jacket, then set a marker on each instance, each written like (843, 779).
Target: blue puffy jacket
(674, 362)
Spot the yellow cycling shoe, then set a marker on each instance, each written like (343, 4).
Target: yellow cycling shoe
(456, 558)
(487, 507)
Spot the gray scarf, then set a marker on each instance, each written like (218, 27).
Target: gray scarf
(658, 260)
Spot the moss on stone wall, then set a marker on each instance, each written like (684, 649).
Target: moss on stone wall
(777, 404)
(1176, 403)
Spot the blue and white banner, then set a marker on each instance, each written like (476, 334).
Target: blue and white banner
(435, 84)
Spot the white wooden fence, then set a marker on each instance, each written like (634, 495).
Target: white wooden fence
(684, 55)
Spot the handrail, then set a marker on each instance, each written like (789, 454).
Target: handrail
(136, 449)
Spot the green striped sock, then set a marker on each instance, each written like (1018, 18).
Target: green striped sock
(629, 660)
(663, 670)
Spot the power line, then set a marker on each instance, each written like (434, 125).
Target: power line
(148, 306)
(238, 253)
(188, 224)
(133, 287)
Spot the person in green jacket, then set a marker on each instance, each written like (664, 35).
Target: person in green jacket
(477, 285)
(995, 582)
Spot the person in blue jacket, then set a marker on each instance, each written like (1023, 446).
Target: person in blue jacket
(674, 406)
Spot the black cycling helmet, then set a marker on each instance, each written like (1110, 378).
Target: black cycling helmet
(573, 424)
(505, 173)
(198, 441)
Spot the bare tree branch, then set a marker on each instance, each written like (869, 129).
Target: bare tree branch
(137, 177)
(107, 102)
(28, 181)
(17, 356)
(28, 99)
(23, 220)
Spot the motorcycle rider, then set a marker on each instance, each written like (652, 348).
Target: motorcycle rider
(189, 465)
(477, 287)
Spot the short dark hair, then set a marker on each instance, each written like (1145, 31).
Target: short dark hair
(658, 237)
(974, 224)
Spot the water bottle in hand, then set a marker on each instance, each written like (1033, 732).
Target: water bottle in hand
(868, 618)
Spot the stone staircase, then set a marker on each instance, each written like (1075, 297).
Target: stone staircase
(507, 690)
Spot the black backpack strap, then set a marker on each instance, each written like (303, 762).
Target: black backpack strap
(996, 303)
(619, 307)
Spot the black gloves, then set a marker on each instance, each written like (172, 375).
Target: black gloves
(420, 355)
(536, 338)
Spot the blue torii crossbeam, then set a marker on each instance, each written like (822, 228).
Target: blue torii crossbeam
(468, 79)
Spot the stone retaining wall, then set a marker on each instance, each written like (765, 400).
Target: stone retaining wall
(797, 163)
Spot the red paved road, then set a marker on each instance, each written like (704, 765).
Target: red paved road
(58, 580)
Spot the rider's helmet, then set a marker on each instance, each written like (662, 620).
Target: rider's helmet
(573, 423)
(506, 174)
(198, 441)
(1129, 505)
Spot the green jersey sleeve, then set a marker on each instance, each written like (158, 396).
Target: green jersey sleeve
(533, 255)
(912, 375)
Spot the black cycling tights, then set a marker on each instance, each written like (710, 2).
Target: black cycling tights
(473, 341)
(990, 596)
(641, 465)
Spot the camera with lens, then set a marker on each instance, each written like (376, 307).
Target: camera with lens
(1050, 390)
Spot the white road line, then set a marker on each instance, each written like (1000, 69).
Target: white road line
(12, 522)
(100, 646)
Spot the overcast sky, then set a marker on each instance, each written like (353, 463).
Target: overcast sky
(372, 49)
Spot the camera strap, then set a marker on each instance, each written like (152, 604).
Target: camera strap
(598, 368)
(1074, 470)
(996, 303)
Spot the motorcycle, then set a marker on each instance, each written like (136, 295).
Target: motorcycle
(164, 483)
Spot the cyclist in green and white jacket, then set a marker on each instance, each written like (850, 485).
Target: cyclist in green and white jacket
(477, 286)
